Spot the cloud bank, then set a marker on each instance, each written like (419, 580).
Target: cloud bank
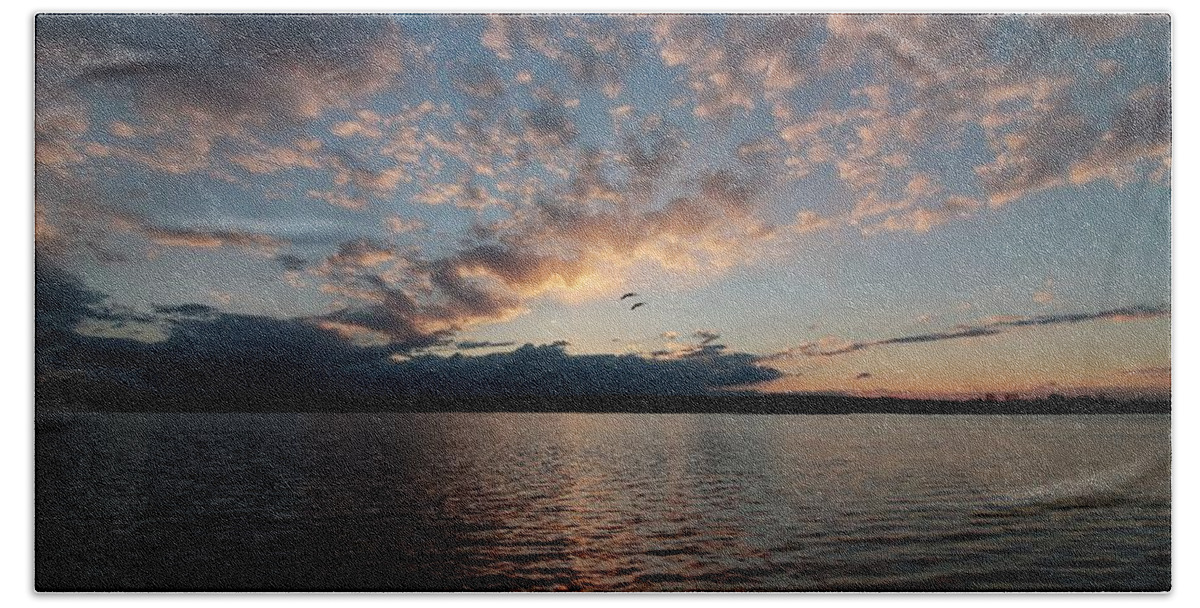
(241, 360)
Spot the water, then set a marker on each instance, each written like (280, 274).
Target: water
(602, 502)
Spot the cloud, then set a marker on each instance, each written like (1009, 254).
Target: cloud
(549, 370)
(1039, 154)
(479, 81)
(589, 49)
(497, 37)
(59, 129)
(399, 225)
(703, 346)
(862, 376)
(211, 359)
(278, 158)
(923, 219)
(228, 68)
(832, 346)
(946, 66)
(549, 126)
(547, 199)
(574, 240)
(809, 221)
(360, 254)
(1141, 130)
(1098, 29)
(214, 94)
(61, 300)
(431, 303)
(211, 239)
(735, 63)
(472, 345)
(76, 224)
(466, 194)
(338, 199)
(291, 263)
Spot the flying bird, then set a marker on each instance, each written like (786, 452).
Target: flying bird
(628, 295)
(634, 307)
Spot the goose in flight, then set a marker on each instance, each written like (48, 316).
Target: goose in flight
(634, 307)
(628, 295)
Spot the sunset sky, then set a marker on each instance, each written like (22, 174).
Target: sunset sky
(873, 204)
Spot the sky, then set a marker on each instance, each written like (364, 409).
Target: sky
(911, 205)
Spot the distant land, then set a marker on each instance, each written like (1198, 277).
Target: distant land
(70, 396)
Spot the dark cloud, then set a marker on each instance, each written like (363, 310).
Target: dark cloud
(704, 350)
(212, 359)
(1141, 129)
(397, 318)
(187, 310)
(479, 81)
(415, 302)
(549, 126)
(472, 345)
(1125, 313)
(534, 370)
(949, 61)
(966, 332)
(651, 154)
(61, 300)
(291, 263)
(862, 376)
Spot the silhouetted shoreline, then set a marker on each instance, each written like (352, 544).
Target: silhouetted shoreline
(771, 404)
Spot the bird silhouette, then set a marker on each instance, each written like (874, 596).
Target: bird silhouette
(628, 295)
(634, 307)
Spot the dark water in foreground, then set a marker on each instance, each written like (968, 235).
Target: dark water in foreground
(602, 502)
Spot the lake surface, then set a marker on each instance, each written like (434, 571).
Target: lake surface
(601, 502)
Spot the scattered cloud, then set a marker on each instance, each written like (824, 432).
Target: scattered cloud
(808, 221)
(399, 225)
(548, 168)
(734, 63)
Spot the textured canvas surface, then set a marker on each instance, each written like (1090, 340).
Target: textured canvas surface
(813, 302)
